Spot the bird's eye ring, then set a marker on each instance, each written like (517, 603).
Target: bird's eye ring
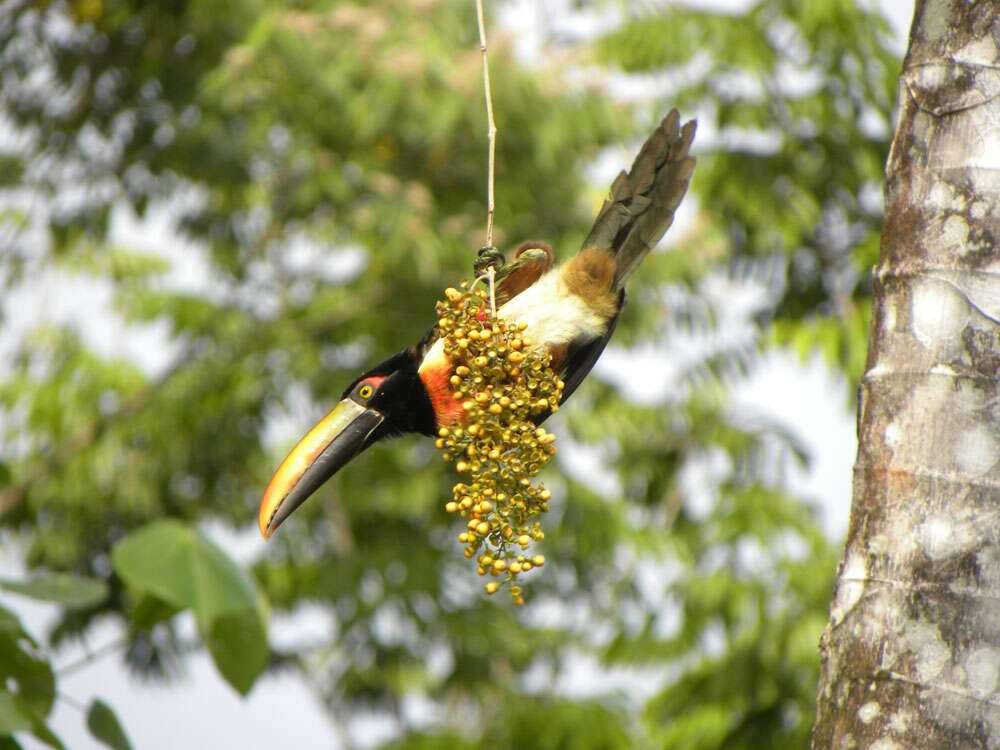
(366, 391)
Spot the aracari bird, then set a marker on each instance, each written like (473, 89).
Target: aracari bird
(571, 310)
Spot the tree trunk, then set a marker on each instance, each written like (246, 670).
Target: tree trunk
(911, 652)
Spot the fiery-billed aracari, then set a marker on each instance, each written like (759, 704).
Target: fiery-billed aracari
(571, 310)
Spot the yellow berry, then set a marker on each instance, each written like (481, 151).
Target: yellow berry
(499, 498)
(538, 561)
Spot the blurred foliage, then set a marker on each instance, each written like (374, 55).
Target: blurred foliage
(167, 561)
(104, 726)
(801, 94)
(323, 164)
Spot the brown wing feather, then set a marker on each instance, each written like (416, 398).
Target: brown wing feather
(531, 260)
(641, 203)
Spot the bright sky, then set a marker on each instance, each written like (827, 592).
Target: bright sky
(202, 711)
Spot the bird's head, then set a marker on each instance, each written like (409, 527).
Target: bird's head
(389, 399)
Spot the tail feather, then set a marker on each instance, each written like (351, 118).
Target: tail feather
(641, 203)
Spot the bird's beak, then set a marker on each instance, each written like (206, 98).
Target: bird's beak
(340, 436)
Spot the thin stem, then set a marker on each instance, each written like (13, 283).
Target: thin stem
(71, 701)
(491, 132)
(489, 275)
(92, 656)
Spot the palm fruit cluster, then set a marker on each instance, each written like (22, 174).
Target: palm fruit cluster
(501, 382)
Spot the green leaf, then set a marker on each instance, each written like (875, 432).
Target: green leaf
(70, 590)
(150, 610)
(179, 565)
(104, 725)
(238, 645)
(16, 715)
(25, 673)
(10, 627)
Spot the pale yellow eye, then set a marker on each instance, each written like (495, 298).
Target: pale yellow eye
(366, 391)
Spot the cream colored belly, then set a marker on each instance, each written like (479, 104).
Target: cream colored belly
(553, 315)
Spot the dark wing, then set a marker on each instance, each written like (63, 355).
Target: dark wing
(426, 342)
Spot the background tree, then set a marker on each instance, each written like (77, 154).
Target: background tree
(322, 164)
(910, 652)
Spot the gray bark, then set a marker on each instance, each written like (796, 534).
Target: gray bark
(911, 652)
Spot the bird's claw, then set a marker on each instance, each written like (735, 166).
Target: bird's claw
(488, 257)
